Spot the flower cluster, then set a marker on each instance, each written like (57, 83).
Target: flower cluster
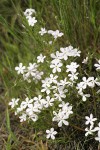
(90, 131)
(90, 82)
(55, 34)
(62, 77)
(28, 14)
(30, 72)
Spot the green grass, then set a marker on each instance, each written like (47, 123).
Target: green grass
(79, 21)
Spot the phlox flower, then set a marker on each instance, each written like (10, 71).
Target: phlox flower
(90, 120)
(63, 82)
(97, 65)
(26, 103)
(69, 52)
(84, 96)
(51, 133)
(37, 76)
(73, 76)
(89, 131)
(98, 137)
(29, 12)
(40, 58)
(61, 118)
(39, 100)
(72, 67)
(55, 34)
(98, 128)
(56, 66)
(66, 108)
(31, 69)
(20, 69)
(48, 102)
(60, 93)
(33, 117)
(23, 117)
(42, 31)
(32, 109)
(75, 52)
(31, 21)
(14, 102)
(64, 53)
(46, 86)
(56, 57)
(18, 110)
(85, 60)
(53, 79)
(63, 114)
(88, 82)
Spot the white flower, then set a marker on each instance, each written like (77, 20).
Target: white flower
(38, 76)
(84, 96)
(48, 102)
(88, 82)
(31, 69)
(63, 82)
(69, 51)
(79, 87)
(56, 66)
(73, 76)
(40, 58)
(26, 103)
(31, 21)
(13, 102)
(85, 60)
(46, 86)
(57, 87)
(20, 69)
(90, 120)
(53, 79)
(61, 117)
(23, 117)
(39, 100)
(72, 67)
(98, 128)
(43, 31)
(97, 82)
(98, 137)
(51, 133)
(55, 34)
(66, 108)
(61, 93)
(92, 82)
(32, 109)
(29, 12)
(75, 52)
(19, 109)
(33, 117)
(56, 57)
(50, 42)
(64, 53)
(89, 130)
(97, 65)
(46, 89)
